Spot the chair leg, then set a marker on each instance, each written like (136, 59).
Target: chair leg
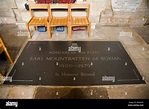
(29, 33)
(34, 27)
(69, 30)
(89, 30)
(49, 30)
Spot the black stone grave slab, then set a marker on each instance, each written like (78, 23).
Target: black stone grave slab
(74, 63)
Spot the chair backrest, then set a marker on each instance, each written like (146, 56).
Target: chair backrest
(34, 7)
(80, 8)
(62, 9)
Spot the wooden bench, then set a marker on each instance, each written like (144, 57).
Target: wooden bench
(55, 21)
(80, 21)
(36, 20)
(52, 21)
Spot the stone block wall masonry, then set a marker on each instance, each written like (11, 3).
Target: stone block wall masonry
(125, 12)
(10, 11)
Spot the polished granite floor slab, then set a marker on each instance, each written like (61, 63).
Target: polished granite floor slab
(74, 63)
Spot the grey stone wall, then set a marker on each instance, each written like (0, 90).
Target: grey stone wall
(125, 13)
(10, 10)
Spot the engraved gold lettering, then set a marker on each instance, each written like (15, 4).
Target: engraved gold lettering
(93, 52)
(57, 74)
(110, 58)
(69, 74)
(59, 52)
(67, 58)
(87, 74)
(95, 58)
(36, 58)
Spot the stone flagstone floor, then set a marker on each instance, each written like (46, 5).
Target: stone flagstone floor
(131, 38)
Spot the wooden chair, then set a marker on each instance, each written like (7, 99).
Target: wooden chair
(35, 20)
(58, 20)
(80, 21)
(3, 48)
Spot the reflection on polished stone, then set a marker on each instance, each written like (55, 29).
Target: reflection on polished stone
(71, 93)
(131, 92)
